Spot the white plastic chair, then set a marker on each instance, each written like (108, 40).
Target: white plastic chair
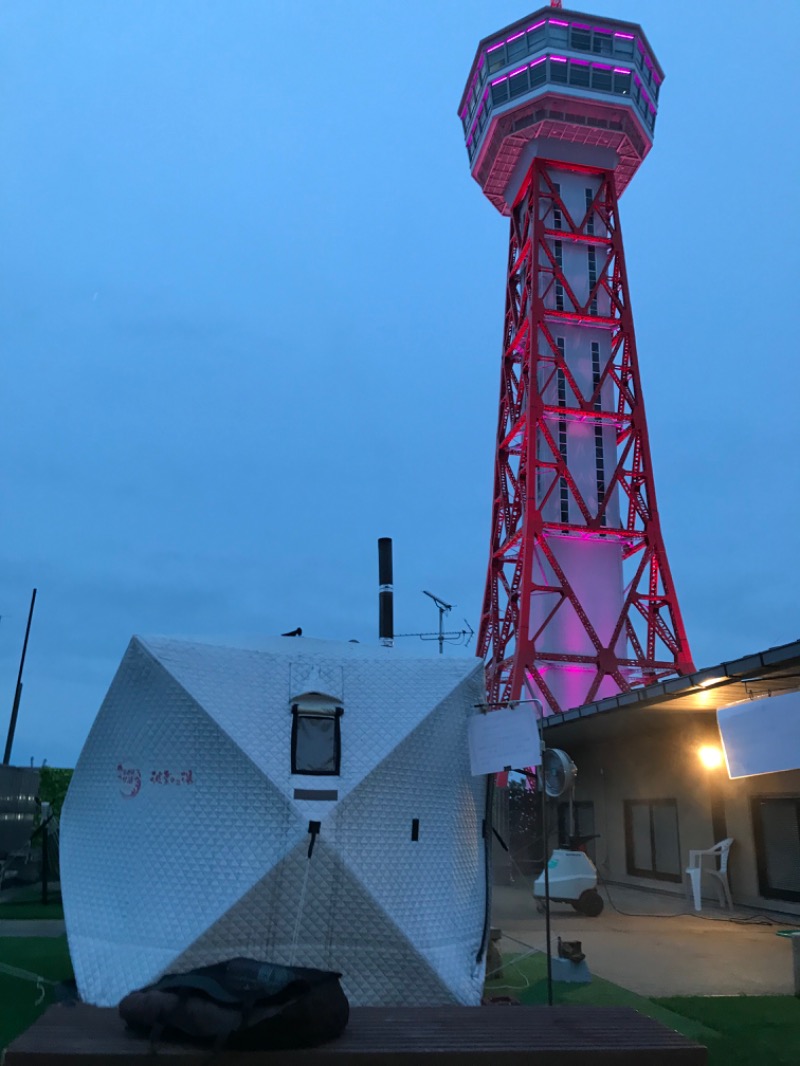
(712, 861)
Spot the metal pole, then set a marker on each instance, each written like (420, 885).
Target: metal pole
(545, 836)
(12, 726)
(45, 859)
(441, 630)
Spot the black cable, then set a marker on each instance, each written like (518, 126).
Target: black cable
(749, 919)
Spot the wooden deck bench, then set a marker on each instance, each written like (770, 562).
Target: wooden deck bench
(380, 1036)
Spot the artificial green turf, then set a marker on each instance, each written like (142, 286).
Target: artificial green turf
(752, 1029)
(737, 1030)
(23, 910)
(46, 956)
(526, 979)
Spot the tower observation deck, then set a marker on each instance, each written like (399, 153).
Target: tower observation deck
(558, 112)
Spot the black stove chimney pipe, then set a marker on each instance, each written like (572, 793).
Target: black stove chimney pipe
(385, 592)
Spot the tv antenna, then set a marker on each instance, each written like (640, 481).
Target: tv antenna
(452, 636)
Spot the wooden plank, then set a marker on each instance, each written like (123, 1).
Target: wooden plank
(379, 1036)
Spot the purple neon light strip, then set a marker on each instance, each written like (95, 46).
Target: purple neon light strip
(515, 37)
(536, 26)
(625, 36)
(557, 22)
(536, 62)
(559, 59)
(578, 26)
(601, 66)
(581, 62)
(498, 80)
(621, 70)
(495, 47)
(519, 71)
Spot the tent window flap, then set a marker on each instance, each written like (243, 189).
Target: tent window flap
(316, 742)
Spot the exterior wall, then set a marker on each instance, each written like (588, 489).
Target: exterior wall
(658, 764)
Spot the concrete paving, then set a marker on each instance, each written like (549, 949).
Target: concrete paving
(660, 948)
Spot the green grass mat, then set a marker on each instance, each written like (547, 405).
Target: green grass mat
(527, 980)
(46, 956)
(22, 910)
(752, 1030)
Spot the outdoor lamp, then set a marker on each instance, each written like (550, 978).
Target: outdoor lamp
(710, 756)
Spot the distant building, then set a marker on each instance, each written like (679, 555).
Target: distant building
(19, 787)
(643, 788)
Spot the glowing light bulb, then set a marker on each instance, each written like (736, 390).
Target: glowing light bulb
(710, 756)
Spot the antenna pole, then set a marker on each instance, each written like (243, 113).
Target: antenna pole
(444, 608)
(12, 725)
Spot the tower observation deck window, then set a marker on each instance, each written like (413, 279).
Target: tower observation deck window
(622, 83)
(579, 73)
(496, 58)
(516, 48)
(602, 79)
(602, 43)
(558, 70)
(518, 83)
(558, 34)
(500, 92)
(581, 39)
(537, 73)
(537, 36)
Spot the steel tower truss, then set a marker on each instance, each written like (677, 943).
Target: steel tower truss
(649, 628)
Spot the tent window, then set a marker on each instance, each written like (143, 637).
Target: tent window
(316, 741)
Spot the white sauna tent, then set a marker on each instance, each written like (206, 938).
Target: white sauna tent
(309, 802)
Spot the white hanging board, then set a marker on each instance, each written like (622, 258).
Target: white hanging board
(761, 736)
(505, 738)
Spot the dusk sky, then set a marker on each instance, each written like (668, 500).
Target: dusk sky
(251, 305)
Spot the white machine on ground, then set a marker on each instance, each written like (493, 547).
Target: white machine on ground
(572, 875)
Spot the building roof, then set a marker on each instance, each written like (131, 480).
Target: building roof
(767, 673)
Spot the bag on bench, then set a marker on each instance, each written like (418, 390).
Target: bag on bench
(241, 1003)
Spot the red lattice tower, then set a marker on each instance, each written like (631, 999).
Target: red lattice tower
(558, 113)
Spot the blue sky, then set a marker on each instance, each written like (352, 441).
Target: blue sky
(251, 306)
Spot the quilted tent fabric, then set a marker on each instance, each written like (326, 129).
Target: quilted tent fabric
(185, 839)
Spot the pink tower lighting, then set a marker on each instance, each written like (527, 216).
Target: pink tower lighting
(558, 114)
